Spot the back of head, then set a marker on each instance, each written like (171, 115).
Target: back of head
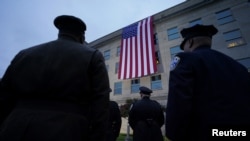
(197, 31)
(202, 40)
(67, 24)
(146, 91)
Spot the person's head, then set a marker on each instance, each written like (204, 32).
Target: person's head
(71, 26)
(196, 36)
(145, 92)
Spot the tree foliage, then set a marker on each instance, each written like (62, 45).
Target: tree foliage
(125, 107)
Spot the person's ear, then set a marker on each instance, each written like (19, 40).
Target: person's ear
(82, 39)
(191, 41)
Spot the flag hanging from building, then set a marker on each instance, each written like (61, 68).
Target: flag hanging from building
(137, 54)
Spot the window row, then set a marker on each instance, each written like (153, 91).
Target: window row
(223, 17)
(233, 38)
(116, 67)
(156, 84)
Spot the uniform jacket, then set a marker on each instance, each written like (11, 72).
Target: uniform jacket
(115, 121)
(55, 91)
(146, 118)
(207, 90)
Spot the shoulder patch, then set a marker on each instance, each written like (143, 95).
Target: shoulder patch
(174, 62)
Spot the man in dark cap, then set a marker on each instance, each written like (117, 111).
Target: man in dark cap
(207, 90)
(56, 91)
(146, 118)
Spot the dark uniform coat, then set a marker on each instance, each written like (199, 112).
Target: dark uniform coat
(146, 119)
(207, 90)
(115, 121)
(56, 91)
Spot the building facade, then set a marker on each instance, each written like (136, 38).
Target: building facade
(229, 16)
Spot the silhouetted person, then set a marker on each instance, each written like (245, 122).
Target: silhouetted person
(146, 118)
(115, 121)
(207, 90)
(56, 91)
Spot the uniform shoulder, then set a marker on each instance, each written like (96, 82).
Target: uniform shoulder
(37, 47)
(187, 55)
(113, 103)
(136, 102)
(156, 102)
(184, 59)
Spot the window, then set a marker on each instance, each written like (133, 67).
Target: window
(173, 33)
(233, 38)
(116, 67)
(118, 51)
(224, 17)
(118, 88)
(174, 50)
(157, 57)
(155, 39)
(107, 55)
(135, 84)
(194, 22)
(156, 82)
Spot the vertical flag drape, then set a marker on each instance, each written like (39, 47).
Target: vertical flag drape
(137, 56)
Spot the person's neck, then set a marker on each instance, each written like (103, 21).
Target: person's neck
(69, 36)
(145, 96)
(196, 46)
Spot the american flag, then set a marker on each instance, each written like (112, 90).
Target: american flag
(137, 56)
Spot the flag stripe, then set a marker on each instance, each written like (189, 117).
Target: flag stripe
(133, 57)
(147, 50)
(139, 50)
(128, 58)
(144, 47)
(137, 57)
(150, 49)
(153, 57)
(122, 60)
